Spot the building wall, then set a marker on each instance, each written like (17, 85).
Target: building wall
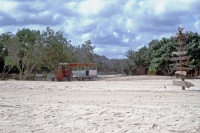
(151, 72)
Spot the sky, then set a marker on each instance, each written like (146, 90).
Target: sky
(113, 26)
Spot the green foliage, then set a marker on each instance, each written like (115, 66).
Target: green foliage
(31, 50)
(25, 53)
(137, 59)
(9, 61)
(84, 53)
(131, 66)
(193, 43)
(108, 66)
(160, 54)
(101, 61)
(4, 38)
(157, 55)
(54, 49)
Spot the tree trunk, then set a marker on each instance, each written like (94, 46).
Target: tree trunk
(3, 73)
(166, 73)
(195, 73)
(20, 75)
(53, 75)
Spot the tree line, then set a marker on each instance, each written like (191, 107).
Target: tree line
(32, 51)
(156, 57)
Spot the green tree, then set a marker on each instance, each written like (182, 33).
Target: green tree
(119, 66)
(137, 59)
(55, 50)
(4, 40)
(160, 54)
(142, 58)
(193, 43)
(85, 52)
(131, 67)
(26, 52)
(101, 63)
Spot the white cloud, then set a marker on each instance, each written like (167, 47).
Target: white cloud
(8, 6)
(138, 37)
(129, 6)
(1, 30)
(197, 25)
(141, 3)
(114, 26)
(85, 36)
(129, 24)
(87, 22)
(99, 50)
(38, 5)
(116, 34)
(56, 16)
(71, 5)
(91, 7)
(112, 52)
(125, 39)
(140, 47)
(33, 16)
(160, 7)
(44, 13)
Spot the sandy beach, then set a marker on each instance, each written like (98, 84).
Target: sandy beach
(130, 104)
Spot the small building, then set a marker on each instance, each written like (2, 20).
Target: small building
(151, 72)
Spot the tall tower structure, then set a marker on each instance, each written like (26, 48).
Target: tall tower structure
(182, 60)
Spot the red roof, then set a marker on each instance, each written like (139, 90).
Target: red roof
(78, 64)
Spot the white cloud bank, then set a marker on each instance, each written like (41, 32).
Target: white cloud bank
(114, 26)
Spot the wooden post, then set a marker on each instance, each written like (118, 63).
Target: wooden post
(183, 87)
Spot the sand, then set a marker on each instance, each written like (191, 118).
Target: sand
(138, 104)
